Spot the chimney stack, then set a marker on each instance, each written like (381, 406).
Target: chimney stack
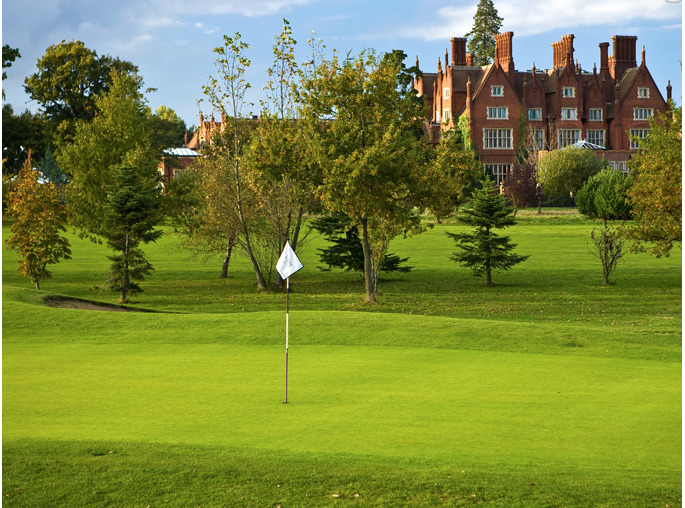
(563, 52)
(624, 55)
(504, 52)
(458, 50)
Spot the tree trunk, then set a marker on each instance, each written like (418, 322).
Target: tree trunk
(227, 258)
(38, 285)
(369, 278)
(125, 283)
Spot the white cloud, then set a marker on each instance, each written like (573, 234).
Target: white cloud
(528, 17)
(204, 29)
(254, 8)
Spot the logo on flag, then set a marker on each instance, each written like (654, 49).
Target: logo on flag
(288, 263)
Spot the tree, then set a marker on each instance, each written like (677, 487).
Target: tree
(347, 252)
(483, 250)
(69, 77)
(130, 217)
(39, 218)
(656, 196)
(568, 169)
(117, 135)
(21, 133)
(455, 159)
(607, 246)
(604, 196)
(372, 157)
(9, 55)
(486, 24)
(167, 130)
(520, 186)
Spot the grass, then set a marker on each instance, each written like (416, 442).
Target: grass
(547, 390)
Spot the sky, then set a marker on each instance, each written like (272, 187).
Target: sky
(172, 41)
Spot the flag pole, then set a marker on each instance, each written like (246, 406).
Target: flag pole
(287, 310)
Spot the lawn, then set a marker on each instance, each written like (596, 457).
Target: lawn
(545, 390)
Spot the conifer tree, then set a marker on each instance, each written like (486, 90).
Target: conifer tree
(39, 218)
(486, 24)
(131, 213)
(483, 250)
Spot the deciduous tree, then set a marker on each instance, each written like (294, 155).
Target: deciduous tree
(39, 218)
(656, 196)
(483, 250)
(604, 196)
(568, 169)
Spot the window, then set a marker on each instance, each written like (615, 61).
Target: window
(639, 134)
(446, 93)
(535, 114)
(497, 91)
(495, 112)
(619, 166)
(568, 137)
(497, 171)
(596, 137)
(568, 113)
(642, 113)
(595, 114)
(569, 91)
(446, 115)
(537, 140)
(643, 92)
(496, 138)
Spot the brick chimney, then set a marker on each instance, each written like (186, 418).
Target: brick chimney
(458, 50)
(624, 55)
(563, 51)
(603, 56)
(504, 52)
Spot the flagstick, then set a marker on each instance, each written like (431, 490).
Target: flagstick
(287, 309)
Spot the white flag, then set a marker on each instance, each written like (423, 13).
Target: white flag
(288, 263)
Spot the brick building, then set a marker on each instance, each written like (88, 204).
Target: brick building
(561, 106)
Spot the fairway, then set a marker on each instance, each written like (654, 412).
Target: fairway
(546, 390)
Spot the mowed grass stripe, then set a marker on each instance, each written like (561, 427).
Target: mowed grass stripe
(467, 406)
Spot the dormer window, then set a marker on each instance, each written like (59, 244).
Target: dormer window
(497, 91)
(569, 91)
(643, 92)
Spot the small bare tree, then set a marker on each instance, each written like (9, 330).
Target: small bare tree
(607, 246)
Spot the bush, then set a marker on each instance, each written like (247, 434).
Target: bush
(604, 196)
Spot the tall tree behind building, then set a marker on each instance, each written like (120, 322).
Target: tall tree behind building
(486, 24)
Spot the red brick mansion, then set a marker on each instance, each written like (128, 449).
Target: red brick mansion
(562, 105)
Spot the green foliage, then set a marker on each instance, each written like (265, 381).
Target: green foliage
(604, 196)
(486, 24)
(130, 215)
(457, 163)
(607, 246)
(21, 133)
(371, 156)
(483, 250)
(167, 130)
(565, 171)
(117, 136)
(9, 55)
(656, 196)
(68, 80)
(39, 219)
(346, 252)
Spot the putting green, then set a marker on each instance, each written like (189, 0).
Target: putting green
(446, 405)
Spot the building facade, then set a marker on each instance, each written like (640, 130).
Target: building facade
(552, 108)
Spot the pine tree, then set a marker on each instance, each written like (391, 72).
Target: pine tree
(483, 250)
(486, 24)
(39, 218)
(131, 213)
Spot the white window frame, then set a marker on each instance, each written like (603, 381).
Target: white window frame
(497, 139)
(537, 114)
(497, 91)
(446, 115)
(446, 93)
(538, 139)
(643, 92)
(499, 171)
(498, 112)
(567, 137)
(640, 133)
(568, 92)
(596, 136)
(642, 113)
(619, 166)
(599, 112)
(569, 114)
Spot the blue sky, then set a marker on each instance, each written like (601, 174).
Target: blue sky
(171, 41)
